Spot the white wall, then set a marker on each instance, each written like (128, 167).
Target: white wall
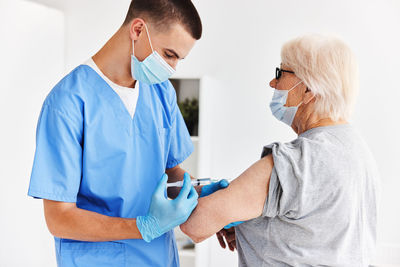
(240, 49)
(31, 61)
(88, 25)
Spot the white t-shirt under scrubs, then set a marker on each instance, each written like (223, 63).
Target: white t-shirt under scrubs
(129, 96)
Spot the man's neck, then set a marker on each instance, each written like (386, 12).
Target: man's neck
(114, 59)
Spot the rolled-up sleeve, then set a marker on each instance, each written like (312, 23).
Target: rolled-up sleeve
(284, 192)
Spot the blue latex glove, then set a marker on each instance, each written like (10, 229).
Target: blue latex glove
(213, 187)
(232, 224)
(165, 214)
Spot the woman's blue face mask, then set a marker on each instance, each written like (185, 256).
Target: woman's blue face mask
(277, 106)
(153, 69)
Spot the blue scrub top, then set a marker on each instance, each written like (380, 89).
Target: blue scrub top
(90, 151)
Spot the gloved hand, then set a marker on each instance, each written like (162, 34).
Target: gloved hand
(213, 187)
(165, 214)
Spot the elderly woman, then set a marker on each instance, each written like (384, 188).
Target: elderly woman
(312, 201)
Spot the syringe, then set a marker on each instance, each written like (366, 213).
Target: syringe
(195, 182)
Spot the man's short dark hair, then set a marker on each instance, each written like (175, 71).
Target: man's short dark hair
(163, 13)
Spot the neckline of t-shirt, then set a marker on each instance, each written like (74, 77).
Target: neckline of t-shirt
(90, 62)
(338, 126)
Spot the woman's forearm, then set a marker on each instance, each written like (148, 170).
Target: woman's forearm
(242, 200)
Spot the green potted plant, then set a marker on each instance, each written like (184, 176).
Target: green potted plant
(190, 112)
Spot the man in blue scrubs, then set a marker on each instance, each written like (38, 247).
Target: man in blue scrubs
(106, 134)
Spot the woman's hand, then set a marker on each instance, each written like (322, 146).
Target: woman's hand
(230, 238)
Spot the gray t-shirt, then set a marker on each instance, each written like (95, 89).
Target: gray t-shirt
(321, 205)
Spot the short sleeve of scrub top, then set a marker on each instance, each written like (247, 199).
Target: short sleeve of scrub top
(56, 172)
(181, 145)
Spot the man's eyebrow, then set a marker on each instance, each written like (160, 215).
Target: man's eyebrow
(173, 52)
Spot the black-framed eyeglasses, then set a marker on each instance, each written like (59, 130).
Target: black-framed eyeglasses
(278, 72)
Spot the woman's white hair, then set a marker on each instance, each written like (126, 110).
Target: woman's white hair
(328, 67)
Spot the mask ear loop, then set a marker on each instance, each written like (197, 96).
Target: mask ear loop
(133, 47)
(148, 35)
(294, 88)
(300, 104)
(307, 90)
(161, 60)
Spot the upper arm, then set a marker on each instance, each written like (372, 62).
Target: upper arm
(242, 200)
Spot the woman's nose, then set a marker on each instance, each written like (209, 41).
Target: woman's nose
(272, 83)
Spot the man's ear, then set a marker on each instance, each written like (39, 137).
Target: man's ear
(308, 96)
(136, 28)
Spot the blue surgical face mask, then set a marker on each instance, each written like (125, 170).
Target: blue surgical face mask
(153, 69)
(277, 105)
